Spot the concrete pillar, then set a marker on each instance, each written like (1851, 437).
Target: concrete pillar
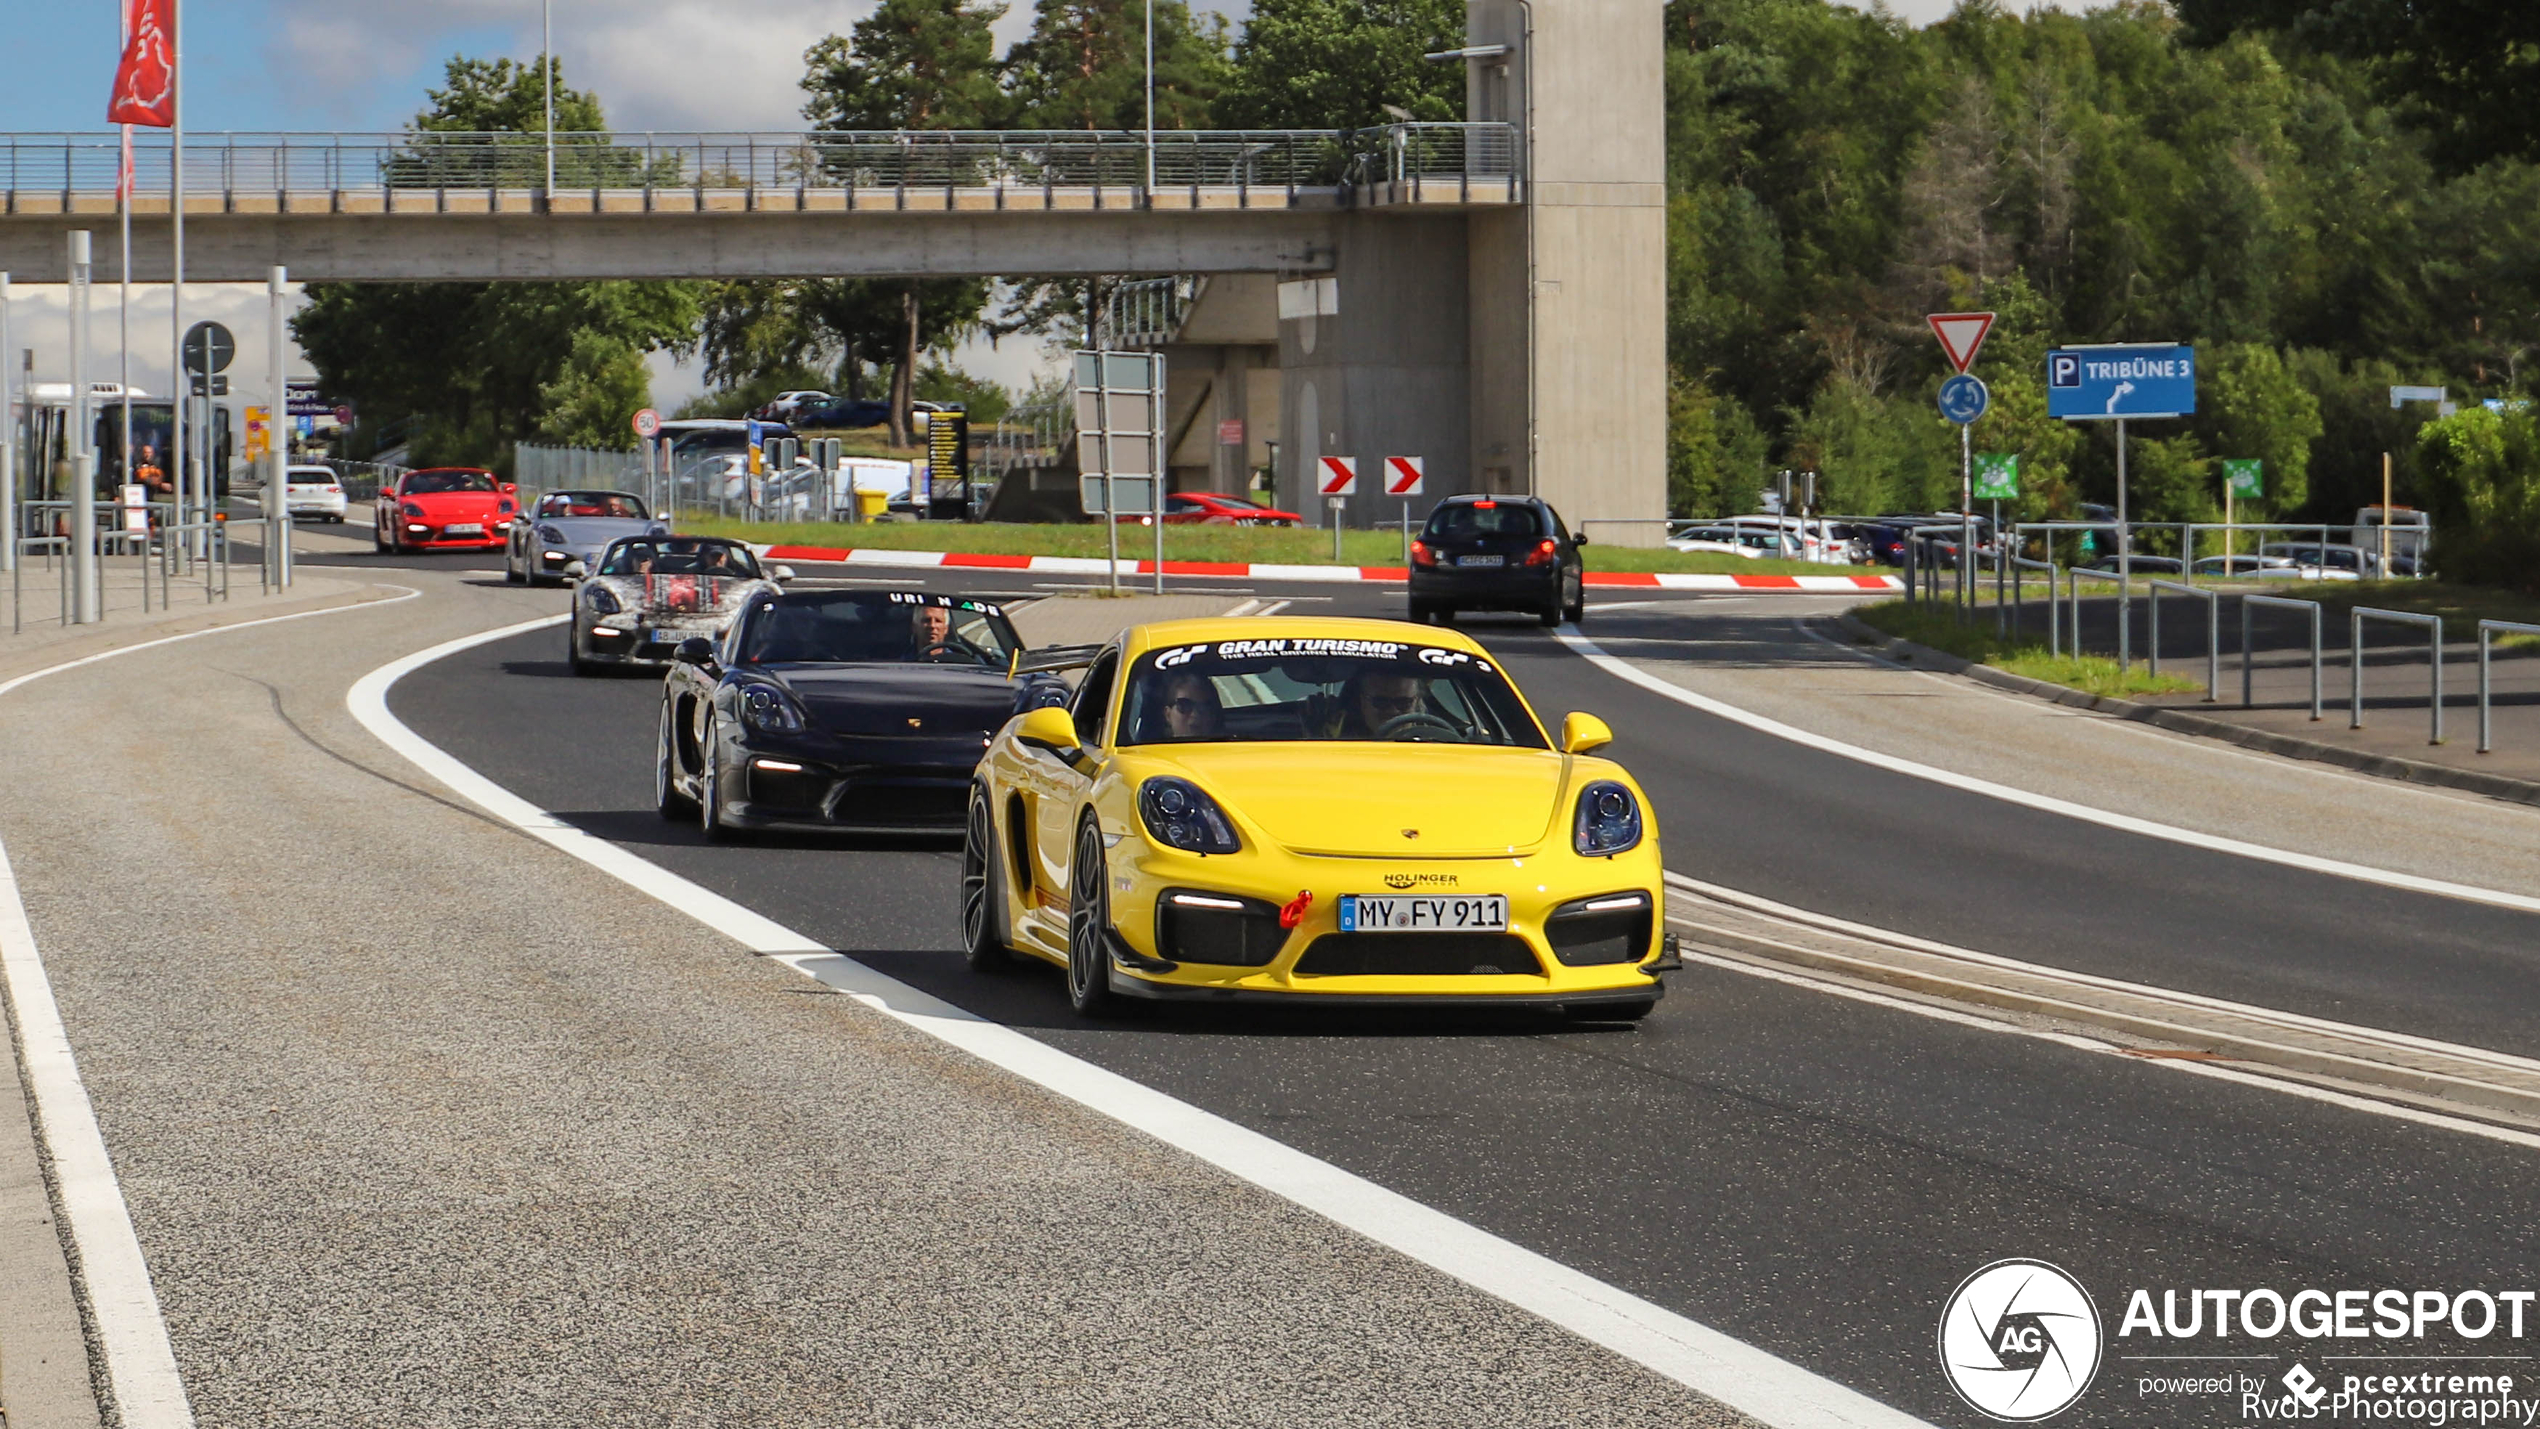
(1386, 371)
(1583, 345)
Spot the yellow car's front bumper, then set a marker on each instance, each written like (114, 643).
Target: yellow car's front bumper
(1163, 948)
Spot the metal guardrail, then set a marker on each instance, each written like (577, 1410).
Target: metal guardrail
(2487, 631)
(273, 166)
(2355, 692)
(2019, 609)
(2213, 630)
(2280, 603)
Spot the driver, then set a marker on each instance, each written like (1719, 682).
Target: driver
(1191, 710)
(931, 627)
(1374, 701)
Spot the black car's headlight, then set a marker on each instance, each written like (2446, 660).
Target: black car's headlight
(551, 535)
(1178, 814)
(766, 709)
(1608, 820)
(602, 603)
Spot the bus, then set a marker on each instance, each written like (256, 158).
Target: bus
(44, 432)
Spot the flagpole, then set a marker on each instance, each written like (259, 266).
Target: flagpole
(180, 401)
(547, 82)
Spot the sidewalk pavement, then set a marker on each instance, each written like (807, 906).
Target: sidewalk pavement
(2397, 737)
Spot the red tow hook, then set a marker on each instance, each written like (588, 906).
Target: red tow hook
(1294, 913)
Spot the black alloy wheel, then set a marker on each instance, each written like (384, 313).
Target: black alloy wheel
(982, 889)
(378, 542)
(512, 574)
(573, 648)
(673, 804)
(1550, 611)
(710, 787)
(1574, 609)
(1088, 923)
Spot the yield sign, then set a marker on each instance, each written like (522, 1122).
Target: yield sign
(1339, 476)
(1960, 335)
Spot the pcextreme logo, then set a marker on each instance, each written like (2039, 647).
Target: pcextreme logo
(2019, 1340)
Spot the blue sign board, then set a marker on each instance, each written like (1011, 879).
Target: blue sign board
(1964, 398)
(2098, 384)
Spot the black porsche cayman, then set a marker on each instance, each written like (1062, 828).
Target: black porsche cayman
(857, 711)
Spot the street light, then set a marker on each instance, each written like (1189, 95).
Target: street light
(547, 84)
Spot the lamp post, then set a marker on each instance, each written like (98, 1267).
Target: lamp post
(547, 86)
(1150, 13)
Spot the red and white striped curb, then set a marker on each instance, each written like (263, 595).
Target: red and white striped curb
(1094, 566)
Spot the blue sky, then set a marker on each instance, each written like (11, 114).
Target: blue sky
(365, 64)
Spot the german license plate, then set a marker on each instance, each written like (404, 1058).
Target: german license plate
(462, 530)
(1481, 560)
(1393, 913)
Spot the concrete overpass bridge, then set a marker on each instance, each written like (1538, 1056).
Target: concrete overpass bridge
(1488, 294)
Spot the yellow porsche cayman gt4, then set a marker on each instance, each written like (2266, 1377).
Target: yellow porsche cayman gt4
(1312, 810)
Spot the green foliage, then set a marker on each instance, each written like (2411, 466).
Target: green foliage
(985, 402)
(1833, 174)
(1083, 66)
(482, 365)
(911, 64)
(2464, 69)
(1333, 64)
(2479, 473)
(2252, 405)
(1715, 455)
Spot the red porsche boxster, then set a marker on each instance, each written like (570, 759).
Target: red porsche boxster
(445, 508)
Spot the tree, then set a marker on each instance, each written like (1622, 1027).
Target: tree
(2468, 71)
(481, 365)
(1331, 64)
(1083, 66)
(911, 64)
(2251, 406)
(2480, 475)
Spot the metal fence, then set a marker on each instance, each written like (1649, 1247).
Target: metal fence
(277, 163)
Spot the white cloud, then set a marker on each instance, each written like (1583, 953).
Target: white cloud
(714, 65)
(39, 317)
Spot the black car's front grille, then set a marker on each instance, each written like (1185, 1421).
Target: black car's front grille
(775, 792)
(1192, 926)
(1584, 935)
(1418, 955)
(897, 805)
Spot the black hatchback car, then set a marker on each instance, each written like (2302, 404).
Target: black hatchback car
(1497, 553)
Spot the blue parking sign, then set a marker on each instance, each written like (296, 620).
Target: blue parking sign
(2098, 384)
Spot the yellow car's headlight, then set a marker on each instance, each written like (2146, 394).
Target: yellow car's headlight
(1608, 820)
(1179, 814)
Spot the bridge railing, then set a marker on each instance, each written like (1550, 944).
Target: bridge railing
(273, 163)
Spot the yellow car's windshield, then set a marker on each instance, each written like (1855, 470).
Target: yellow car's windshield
(1299, 689)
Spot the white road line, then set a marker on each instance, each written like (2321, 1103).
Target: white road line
(1624, 670)
(1745, 1378)
(2347, 1100)
(140, 1363)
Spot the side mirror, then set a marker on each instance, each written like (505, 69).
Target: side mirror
(510, 488)
(1579, 539)
(695, 650)
(1050, 728)
(575, 570)
(1582, 733)
(780, 574)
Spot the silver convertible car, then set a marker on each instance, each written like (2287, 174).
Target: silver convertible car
(567, 526)
(648, 593)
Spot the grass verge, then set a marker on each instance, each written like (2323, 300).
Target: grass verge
(1270, 545)
(1938, 629)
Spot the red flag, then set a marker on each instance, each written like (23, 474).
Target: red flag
(145, 83)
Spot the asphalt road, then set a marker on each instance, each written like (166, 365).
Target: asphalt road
(1810, 1173)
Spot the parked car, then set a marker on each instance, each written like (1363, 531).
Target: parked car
(2332, 562)
(1497, 553)
(1722, 540)
(1212, 508)
(2139, 564)
(788, 403)
(2245, 566)
(2411, 530)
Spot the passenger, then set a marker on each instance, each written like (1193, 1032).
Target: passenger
(1191, 710)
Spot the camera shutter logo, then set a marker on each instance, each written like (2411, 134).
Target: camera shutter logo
(2020, 1340)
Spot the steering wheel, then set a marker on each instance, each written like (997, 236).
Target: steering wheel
(955, 645)
(1400, 726)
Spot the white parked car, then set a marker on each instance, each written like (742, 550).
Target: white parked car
(313, 491)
